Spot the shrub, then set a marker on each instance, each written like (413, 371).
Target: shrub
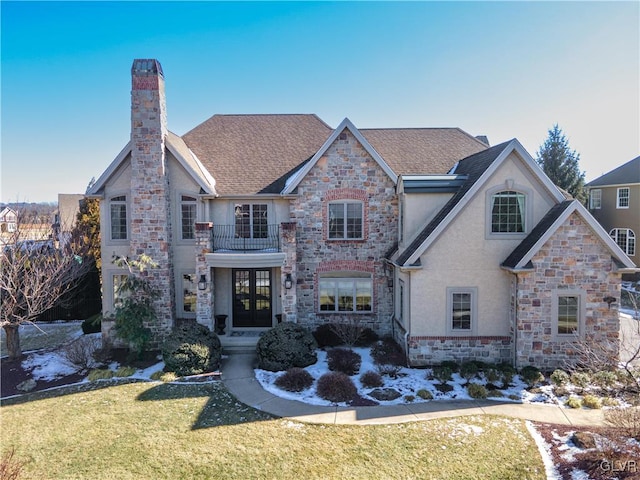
(424, 394)
(10, 467)
(336, 387)
(367, 338)
(325, 336)
(450, 364)
(573, 402)
(513, 396)
(580, 379)
(371, 379)
(442, 373)
(93, 324)
(493, 393)
(468, 370)
(604, 379)
(124, 371)
(492, 375)
(610, 402)
(284, 346)
(165, 377)
(81, 351)
(531, 375)
(626, 419)
(409, 398)
(387, 351)
(559, 377)
(191, 349)
(591, 401)
(343, 360)
(295, 379)
(477, 391)
(389, 370)
(349, 330)
(100, 374)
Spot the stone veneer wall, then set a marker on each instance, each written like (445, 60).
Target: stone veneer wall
(572, 259)
(204, 298)
(150, 213)
(288, 243)
(345, 171)
(424, 351)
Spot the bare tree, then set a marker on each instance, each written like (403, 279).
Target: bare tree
(35, 276)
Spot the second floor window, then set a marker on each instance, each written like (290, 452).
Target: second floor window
(507, 212)
(625, 238)
(595, 199)
(345, 220)
(251, 220)
(623, 197)
(188, 217)
(118, 217)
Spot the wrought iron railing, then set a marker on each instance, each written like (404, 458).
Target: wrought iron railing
(228, 238)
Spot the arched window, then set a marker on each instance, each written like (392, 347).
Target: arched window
(625, 238)
(508, 211)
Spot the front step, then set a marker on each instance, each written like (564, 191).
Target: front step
(242, 344)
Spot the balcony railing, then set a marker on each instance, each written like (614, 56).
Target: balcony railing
(227, 238)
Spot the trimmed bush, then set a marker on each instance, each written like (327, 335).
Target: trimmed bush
(559, 377)
(191, 349)
(284, 346)
(343, 360)
(591, 401)
(492, 375)
(100, 374)
(531, 375)
(387, 351)
(424, 394)
(442, 373)
(93, 324)
(451, 365)
(367, 338)
(165, 377)
(468, 370)
(581, 379)
(573, 402)
(295, 379)
(371, 379)
(409, 398)
(604, 379)
(477, 391)
(336, 387)
(124, 371)
(326, 336)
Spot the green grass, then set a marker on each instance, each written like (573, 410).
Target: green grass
(146, 430)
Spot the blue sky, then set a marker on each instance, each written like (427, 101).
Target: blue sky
(502, 69)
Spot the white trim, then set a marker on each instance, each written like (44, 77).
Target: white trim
(245, 260)
(618, 198)
(527, 213)
(95, 189)
(592, 198)
(513, 146)
(473, 292)
(576, 206)
(296, 178)
(127, 213)
(582, 313)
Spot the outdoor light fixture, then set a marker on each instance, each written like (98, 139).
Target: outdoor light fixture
(202, 283)
(288, 281)
(609, 301)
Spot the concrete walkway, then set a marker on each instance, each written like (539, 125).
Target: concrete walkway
(238, 377)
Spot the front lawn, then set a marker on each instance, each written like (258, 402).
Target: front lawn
(153, 431)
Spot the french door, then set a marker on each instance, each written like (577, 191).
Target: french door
(252, 297)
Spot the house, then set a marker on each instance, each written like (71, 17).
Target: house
(8, 220)
(65, 217)
(614, 200)
(456, 249)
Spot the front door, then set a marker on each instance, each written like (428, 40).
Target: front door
(251, 298)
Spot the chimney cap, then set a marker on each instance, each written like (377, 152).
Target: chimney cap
(146, 66)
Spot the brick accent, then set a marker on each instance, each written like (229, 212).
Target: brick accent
(426, 350)
(150, 198)
(345, 171)
(572, 259)
(204, 298)
(288, 244)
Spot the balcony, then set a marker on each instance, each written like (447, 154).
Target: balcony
(228, 239)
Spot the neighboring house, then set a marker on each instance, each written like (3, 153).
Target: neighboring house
(65, 218)
(8, 220)
(457, 249)
(614, 200)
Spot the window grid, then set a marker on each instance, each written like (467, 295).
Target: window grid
(461, 311)
(568, 315)
(507, 212)
(623, 198)
(251, 220)
(595, 199)
(345, 294)
(188, 217)
(345, 220)
(118, 211)
(625, 238)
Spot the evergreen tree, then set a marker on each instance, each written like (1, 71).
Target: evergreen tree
(560, 163)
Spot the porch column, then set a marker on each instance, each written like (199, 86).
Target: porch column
(289, 267)
(204, 298)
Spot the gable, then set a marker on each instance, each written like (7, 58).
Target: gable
(626, 174)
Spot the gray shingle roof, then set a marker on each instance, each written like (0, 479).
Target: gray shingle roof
(536, 234)
(624, 174)
(473, 166)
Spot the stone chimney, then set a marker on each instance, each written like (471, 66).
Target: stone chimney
(150, 197)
